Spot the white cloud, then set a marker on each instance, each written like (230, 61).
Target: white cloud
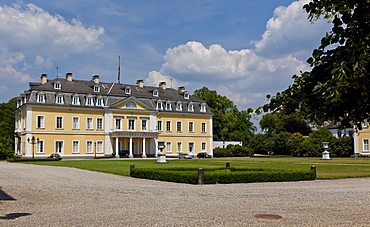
(154, 78)
(9, 74)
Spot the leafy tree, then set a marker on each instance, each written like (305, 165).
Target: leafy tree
(271, 123)
(279, 145)
(228, 122)
(294, 142)
(259, 144)
(275, 123)
(7, 122)
(337, 87)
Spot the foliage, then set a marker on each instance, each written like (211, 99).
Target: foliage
(342, 147)
(271, 123)
(259, 144)
(337, 87)
(7, 122)
(279, 143)
(229, 124)
(294, 142)
(222, 152)
(233, 151)
(274, 123)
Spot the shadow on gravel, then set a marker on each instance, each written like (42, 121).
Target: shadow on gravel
(14, 215)
(4, 196)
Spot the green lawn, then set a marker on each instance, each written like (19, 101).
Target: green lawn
(326, 169)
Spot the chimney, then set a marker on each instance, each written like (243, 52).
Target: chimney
(162, 85)
(96, 79)
(140, 83)
(69, 76)
(182, 89)
(44, 78)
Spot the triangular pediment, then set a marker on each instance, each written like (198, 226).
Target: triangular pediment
(130, 103)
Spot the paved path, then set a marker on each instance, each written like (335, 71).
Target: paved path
(32, 195)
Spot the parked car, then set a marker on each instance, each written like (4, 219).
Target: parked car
(58, 156)
(204, 155)
(123, 153)
(185, 156)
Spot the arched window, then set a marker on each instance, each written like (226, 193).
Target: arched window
(131, 104)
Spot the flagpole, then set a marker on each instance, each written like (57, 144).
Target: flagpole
(119, 69)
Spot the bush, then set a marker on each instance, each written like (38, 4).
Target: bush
(222, 152)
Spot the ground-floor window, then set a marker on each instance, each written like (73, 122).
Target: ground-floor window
(58, 147)
(179, 147)
(40, 146)
(365, 144)
(99, 147)
(191, 147)
(75, 146)
(204, 146)
(89, 147)
(168, 147)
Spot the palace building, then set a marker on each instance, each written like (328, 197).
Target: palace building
(78, 118)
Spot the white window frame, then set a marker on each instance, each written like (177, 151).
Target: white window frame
(155, 93)
(365, 145)
(41, 98)
(191, 151)
(89, 147)
(99, 102)
(191, 107)
(179, 147)
(159, 105)
(186, 95)
(57, 85)
(40, 124)
(99, 147)
(76, 125)
(57, 123)
(168, 126)
(76, 100)
(119, 121)
(59, 99)
(96, 88)
(99, 123)
(127, 90)
(160, 125)
(178, 126)
(179, 106)
(56, 150)
(89, 101)
(75, 149)
(131, 122)
(204, 127)
(203, 108)
(191, 126)
(168, 106)
(40, 147)
(89, 123)
(204, 146)
(144, 125)
(168, 147)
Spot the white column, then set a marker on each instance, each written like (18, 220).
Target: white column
(130, 149)
(156, 146)
(117, 148)
(144, 148)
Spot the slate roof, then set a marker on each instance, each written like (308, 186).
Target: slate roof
(111, 93)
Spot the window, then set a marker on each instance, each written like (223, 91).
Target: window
(57, 85)
(365, 144)
(75, 100)
(159, 105)
(168, 106)
(59, 122)
(179, 106)
(144, 125)
(131, 104)
(186, 95)
(203, 108)
(168, 126)
(365, 124)
(179, 147)
(96, 89)
(155, 93)
(99, 102)
(40, 121)
(191, 126)
(41, 98)
(75, 146)
(99, 147)
(99, 123)
(159, 125)
(127, 90)
(179, 126)
(89, 101)
(131, 124)
(75, 123)
(204, 127)
(168, 147)
(58, 147)
(89, 123)
(191, 107)
(204, 144)
(40, 146)
(89, 146)
(191, 147)
(59, 99)
(118, 123)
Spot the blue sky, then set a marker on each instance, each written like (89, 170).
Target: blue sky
(242, 49)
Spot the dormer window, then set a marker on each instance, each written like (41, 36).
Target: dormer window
(59, 99)
(159, 105)
(191, 107)
(186, 95)
(127, 90)
(89, 101)
(57, 85)
(168, 105)
(131, 104)
(155, 93)
(203, 107)
(96, 89)
(41, 97)
(179, 106)
(75, 100)
(100, 101)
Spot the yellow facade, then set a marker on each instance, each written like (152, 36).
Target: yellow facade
(116, 118)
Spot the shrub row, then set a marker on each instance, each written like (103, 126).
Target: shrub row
(31, 159)
(222, 175)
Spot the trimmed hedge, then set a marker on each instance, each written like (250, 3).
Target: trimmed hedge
(31, 159)
(222, 175)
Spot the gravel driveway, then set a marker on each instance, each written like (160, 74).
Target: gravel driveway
(32, 195)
